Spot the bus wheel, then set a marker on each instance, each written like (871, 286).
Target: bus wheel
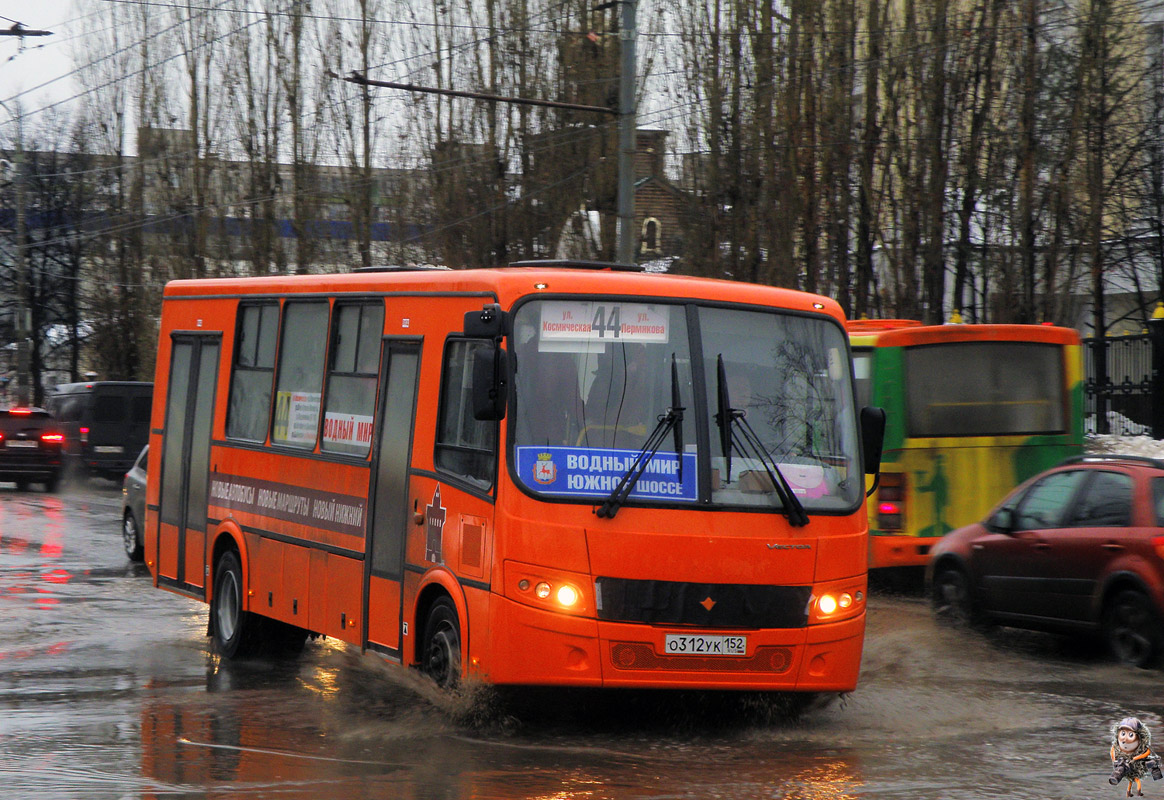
(951, 597)
(233, 628)
(1132, 629)
(441, 656)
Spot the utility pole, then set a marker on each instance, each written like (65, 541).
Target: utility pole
(626, 135)
(23, 388)
(22, 343)
(20, 313)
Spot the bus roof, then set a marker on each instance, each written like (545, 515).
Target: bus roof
(916, 334)
(507, 284)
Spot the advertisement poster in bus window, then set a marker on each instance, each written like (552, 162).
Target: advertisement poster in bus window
(353, 430)
(595, 472)
(296, 416)
(576, 321)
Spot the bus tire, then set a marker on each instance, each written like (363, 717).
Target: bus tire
(441, 648)
(236, 631)
(1132, 629)
(952, 600)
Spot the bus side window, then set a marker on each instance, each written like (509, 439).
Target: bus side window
(298, 387)
(465, 446)
(254, 368)
(357, 329)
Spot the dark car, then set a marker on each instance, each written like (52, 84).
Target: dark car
(133, 506)
(106, 423)
(30, 448)
(1078, 549)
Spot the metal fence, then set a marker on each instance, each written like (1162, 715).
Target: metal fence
(1121, 404)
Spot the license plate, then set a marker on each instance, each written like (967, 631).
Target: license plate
(108, 448)
(686, 644)
(18, 443)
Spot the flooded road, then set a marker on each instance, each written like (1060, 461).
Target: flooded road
(108, 690)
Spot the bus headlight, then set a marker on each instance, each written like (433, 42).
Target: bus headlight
(833, 602)
(549, 589)
(567, 596)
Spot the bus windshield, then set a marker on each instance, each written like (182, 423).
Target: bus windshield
(594, 377)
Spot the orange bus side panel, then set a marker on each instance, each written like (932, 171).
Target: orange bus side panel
(195, 557)
(472, 550)
(168, 551)
(345, 582)
(317, 619)
(266, 573)
(297, 598)
(384, 612)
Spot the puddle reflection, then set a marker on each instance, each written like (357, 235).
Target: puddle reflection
(332, 725)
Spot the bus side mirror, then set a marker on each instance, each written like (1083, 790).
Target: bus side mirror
(490, 371)
(488, 323)
(872, 438)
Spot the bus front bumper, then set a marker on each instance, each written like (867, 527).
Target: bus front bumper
(546, 648)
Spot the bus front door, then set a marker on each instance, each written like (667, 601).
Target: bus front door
(186, 463)
(390, 514)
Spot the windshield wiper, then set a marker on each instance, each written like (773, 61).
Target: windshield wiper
(671, 422)
(734, 430)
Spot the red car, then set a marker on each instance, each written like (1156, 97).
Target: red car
(1076, 549)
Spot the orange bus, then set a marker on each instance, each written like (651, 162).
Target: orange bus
(972, 410)
(556, 473)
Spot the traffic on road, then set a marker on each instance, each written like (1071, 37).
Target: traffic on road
(110, 689)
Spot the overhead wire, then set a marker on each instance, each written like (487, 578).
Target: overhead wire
(678, 110)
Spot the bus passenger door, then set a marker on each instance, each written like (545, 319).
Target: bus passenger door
(186, 463)
(389, 515)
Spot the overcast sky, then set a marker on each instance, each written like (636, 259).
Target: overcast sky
(41, 59)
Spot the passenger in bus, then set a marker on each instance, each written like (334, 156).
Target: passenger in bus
(551, 405)
(620, 411)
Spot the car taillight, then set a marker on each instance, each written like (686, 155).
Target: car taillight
(52, 437)
(84, 436)
(891, 501)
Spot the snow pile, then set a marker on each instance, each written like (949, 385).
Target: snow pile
(1117, 422)
(1123, 445)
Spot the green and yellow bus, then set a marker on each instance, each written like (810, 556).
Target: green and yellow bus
(971, 412)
